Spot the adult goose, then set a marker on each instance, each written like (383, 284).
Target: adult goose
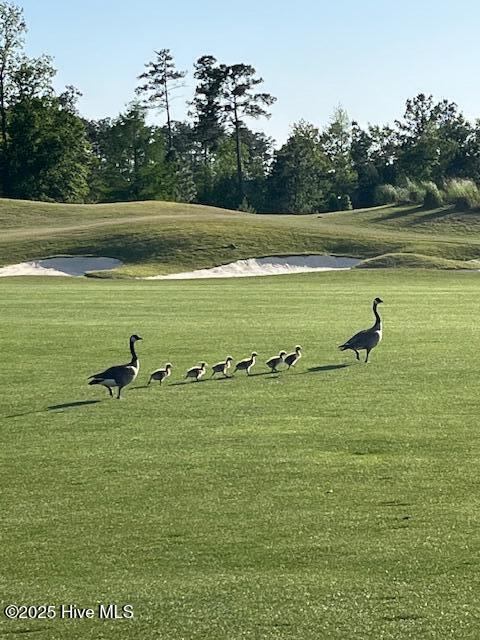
(369, 338)
(161, 374)
(121, 375)
(247, 364)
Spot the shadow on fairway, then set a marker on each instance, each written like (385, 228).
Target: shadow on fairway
(71, 405)
(23, 413)
(142, 386)
(327, 367)
(261, 373)
(187, 382)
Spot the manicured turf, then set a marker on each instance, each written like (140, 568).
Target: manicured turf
(336, 501)
(161, 237)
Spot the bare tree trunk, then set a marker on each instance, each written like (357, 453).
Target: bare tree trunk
(167, 108)
(3, 127)
(239, 157)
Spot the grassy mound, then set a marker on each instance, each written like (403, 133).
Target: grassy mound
(411, 261)
(161, 237)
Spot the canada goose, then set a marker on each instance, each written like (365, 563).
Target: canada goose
(120, 375)
(276, 361)
(247, 364)
(292, 358)
(368, 339)
(222, 367)
(161, 374)
(197, 372)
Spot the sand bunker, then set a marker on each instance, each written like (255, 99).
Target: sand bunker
(67, 266)
(269, 266)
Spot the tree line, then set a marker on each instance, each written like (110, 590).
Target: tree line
(48, 151)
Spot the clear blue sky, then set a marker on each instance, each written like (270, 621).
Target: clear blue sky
(367, 55)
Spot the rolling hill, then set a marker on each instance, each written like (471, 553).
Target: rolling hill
(162, 237)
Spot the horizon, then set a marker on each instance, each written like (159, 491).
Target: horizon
(328, 67)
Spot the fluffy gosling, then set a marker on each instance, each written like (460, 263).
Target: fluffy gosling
(276, 361)
(247, 364)
(222, 367)
(292, 358)
(197, 372)
(161, 374)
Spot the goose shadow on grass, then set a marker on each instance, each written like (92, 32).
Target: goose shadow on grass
(72, 405)
(327, 367)
(53, 407)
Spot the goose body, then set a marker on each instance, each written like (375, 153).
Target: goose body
(292, 358)
(247, 364)
(369, 338)
(161, 374)
(276, 361)
(197, 372)
(119, 376)
(222, 367)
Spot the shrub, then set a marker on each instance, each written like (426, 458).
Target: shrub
(464, 194)
(246, 206)
(433, 197)
(386, 194)
(345, 203)
(413, 192)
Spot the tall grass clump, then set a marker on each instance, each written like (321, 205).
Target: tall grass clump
(386, 194)
(433, 197)
(464, 194)
(408, 193)
(413, 192)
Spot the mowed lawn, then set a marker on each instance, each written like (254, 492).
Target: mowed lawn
(337, 500)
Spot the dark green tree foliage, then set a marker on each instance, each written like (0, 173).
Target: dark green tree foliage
(48, 151)
(130, 159)
(337, 146)
(206, 107)
(160, 79)
(299, 179)
(12, 32)
(239, 101)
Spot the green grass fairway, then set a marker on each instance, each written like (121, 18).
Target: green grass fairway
(336, 501)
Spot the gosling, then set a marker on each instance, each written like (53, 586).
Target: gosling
(292, 358)
(161, 374)
(197, 372)
(276, 361)
(222, 367)
(247, 364)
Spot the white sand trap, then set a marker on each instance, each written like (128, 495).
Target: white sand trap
(62, 266)
(269, 266)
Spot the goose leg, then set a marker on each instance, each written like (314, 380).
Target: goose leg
(110, 392)
(357, 354)
(119, 397)
(366, 357)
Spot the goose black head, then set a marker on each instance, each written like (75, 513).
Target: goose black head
(282, 353)
(378, 301)
(254, 354)
(134, 338)
(168, 365)
(229, 359)
(298, 348)
(203, 364)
